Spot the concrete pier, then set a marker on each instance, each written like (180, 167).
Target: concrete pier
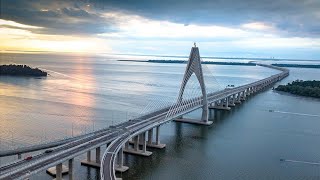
(149, 142)
(119, 167)
(98, 152)
(243, 96)
(238, 99)
(70, 166)
(156, 144)
(89, 162)
(194, 121)
(248, 92)
(58, 171)
(221, 105)
(136, 147)
(232, 100)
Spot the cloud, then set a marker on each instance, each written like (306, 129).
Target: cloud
(56, 18)
(222, 25)
(137, 27)
(257, 26)
(16, 25)
(290, 17)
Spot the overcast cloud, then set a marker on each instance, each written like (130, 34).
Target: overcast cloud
(118, 19)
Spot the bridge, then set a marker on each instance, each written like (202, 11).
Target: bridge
(135, 135)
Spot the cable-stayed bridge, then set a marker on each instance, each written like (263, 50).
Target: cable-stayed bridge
(135, 135)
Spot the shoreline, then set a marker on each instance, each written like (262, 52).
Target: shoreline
(314, 66)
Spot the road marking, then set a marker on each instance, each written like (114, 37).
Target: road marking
(110, 152)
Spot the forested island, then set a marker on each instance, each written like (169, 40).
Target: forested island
(20, 70)
(302, 88)
(298, 65)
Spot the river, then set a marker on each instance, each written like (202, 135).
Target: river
(86, 93)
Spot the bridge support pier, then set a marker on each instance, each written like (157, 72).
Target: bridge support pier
(248, 92)
(119, 165)
(136, 146)
(59, 172)
(232, 100)
(149, 141)
(238, 99)
(204, 118)
(98, 152)
(243, 96)
(19, 156)
(222, 105)
(70, 166)
(58, 169)
(194, 121)
(89, 156)
(89, 162)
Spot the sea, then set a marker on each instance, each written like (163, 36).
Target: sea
(272, 135)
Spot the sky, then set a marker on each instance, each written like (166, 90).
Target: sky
(221, 28)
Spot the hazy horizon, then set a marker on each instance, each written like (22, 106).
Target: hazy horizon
(284, 29)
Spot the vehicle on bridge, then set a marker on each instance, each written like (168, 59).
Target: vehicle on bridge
(48, 151)
(28, 158)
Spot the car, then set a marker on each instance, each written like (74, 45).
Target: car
(28, 158)
(48, 151)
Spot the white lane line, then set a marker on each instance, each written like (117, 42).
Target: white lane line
(110, 152)
(302, 162)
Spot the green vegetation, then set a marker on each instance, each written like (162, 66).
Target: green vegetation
(298, 65)
(302, 88)
(20, 70)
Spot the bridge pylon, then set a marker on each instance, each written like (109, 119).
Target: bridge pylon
(194, 67)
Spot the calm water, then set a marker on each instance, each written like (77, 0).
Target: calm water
(87, 93)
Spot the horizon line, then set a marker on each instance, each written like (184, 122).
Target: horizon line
(157, 55)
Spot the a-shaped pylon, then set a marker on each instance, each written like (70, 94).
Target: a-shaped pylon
(194, 67)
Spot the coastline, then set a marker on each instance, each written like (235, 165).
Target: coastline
(315, 66)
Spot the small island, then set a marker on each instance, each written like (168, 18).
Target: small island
(302, 88)
(21, 70)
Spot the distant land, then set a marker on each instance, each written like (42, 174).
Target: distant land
(203, 62)
(219, 57)
(298, 65)
(20, 70)
(228, 63)
(302, 88)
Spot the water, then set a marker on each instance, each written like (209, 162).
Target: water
(86, 93)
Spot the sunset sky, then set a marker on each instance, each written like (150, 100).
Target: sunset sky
(228, 28)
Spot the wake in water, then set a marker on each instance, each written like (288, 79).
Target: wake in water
(63, 74)
(293, 113)
(302, 162)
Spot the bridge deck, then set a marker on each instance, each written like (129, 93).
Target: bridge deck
(108, 162)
